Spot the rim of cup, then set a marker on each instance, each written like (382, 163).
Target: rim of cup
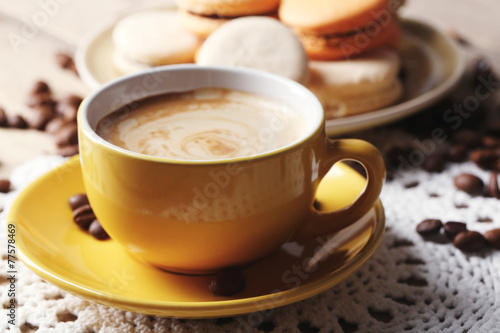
(131, 88)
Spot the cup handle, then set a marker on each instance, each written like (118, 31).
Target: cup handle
(321, 223)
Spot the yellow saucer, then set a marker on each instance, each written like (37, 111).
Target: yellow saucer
(51, 245)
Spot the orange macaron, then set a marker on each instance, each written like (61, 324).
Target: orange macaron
(204, 16)
(339, 29)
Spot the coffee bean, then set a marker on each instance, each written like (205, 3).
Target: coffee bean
(227, 282)
(396, 155)
(83, 216)
(40, 118)
(469, 183)
(453, 34)
(54, 125)
(493, 238)
(485, 158)
(40, 87)
(469, 241)
(96, 230)
(4, 185)
(78, 200)
(67, 135)
(429, 227)
(434, 163)
(456, 153)
(3, 118)
(482, 68)
(65, 61)
(17, 121)
(467, 137)
(490, 142)
(40, 100)
(68, 151)
(452, 228)
(68, 107)
(493, 189)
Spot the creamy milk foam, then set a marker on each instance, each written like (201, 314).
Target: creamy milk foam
(206, 124)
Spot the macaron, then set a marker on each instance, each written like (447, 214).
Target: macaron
(204, 16)
(256, 42)
(362, 84)
(339, 29)
(152, 38)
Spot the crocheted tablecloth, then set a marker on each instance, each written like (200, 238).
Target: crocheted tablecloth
(409, 284)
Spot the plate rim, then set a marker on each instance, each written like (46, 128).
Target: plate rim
(192, 309)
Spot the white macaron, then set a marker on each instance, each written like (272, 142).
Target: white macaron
(256, 42)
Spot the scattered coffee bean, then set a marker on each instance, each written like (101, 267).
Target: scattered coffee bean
(65, 61)
(83, 216)
(452, 228)
(68, 107)
(429, 227)
(54, 125)
(3, 118)
(467, 137)
(40, 100)
(452, 33)
(40, 88)
(96, 230)
(4, 185)
(493, 238)
(412, 184)
(469, 183)
(68, 151)
(67, 135)
(17, 121)
(40, 119)
(493, 189)
(485, 158)
(227, 282)
(482, 68)
(469, 241)
(434, 163)
(490, 142)
(396, 155)
(78, 200)
(456, 153)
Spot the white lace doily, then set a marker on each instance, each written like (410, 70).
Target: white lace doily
(409, 285)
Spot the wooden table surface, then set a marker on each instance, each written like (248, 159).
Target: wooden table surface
(27, 50)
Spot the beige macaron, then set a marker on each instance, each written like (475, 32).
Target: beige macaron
(152, 38)
(362, 84)
(256, 42)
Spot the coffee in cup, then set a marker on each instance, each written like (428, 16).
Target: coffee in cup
(205, 124)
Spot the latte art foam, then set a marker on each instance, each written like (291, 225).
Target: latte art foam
(208, 124)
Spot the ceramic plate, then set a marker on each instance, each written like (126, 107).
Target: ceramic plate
(102, 271)
(432, 63)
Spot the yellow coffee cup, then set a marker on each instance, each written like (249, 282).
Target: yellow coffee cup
(200, 216)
